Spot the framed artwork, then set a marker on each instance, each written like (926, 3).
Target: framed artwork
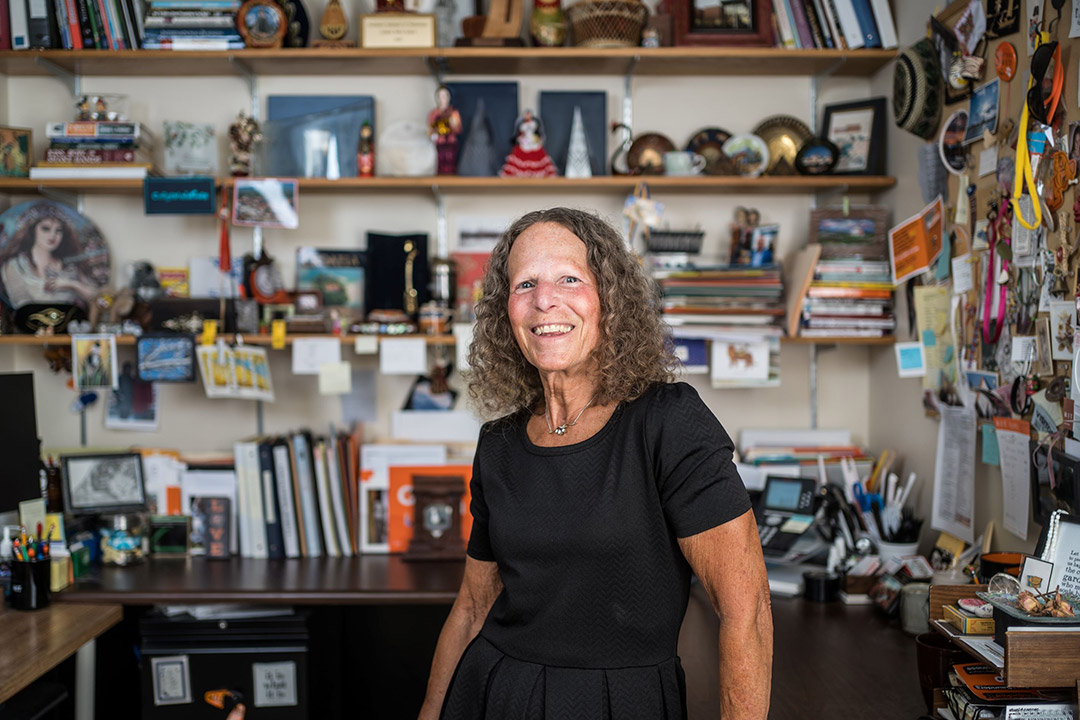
(266, 202)
(93, 361)
(106, 483)
(861, 232)
(858, 131)
(722, 22)
(16, 151)
(166, 357)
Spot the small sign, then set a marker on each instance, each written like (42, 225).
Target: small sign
(275, 684)
(171, 680)
(397, 30)
(179, 196)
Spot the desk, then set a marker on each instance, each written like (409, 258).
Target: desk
(41, 639)
(831, 660)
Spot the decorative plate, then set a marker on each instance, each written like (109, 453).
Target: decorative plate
(646, 155)
(749, 153)
(709, 143)
(817, 156)
(262, 23)
(950, 144)
(784, 135)
(79, 257)
(1006, 602)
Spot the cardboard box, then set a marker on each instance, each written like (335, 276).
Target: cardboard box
(967, 623)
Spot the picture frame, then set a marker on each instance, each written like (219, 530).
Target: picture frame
(858, 131)
(93, 361)
(106, 483)
(712, 23)
(165, 357)
(16, 151)
(862, 232)
(266, 202)
(1058, 542)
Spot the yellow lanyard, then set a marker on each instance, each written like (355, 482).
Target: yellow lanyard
(1024, 175)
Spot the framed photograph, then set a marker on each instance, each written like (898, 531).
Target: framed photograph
(1062, 328)
(858, 131)
(166, 357)
(93, 361)
(722, 22)
(861, 232)
(16, 151)
(337, 275)
(106, 483)
(763, 245)
(266, 202)
(983, 111)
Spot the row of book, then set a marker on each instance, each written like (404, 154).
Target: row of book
(849, 297)
(96, 149)
(979, 692)
(698, 292)
(834, 24)
(192, 25)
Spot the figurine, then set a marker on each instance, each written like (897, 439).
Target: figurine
(243, 134)
(82, 109)
(547, 26)
(444, 127)
(333, 25)
(528, 158)
(365, 153)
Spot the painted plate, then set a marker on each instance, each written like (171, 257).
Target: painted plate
(950, 144)
(784, 135)
(646, 155)
(709, 143)
(817, 156)
(749, 153)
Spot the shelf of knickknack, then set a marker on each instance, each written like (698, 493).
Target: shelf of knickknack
(703, 61)
(772, 184)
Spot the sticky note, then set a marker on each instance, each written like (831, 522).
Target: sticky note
(929, 339)
(309, 354)
(910, 359)
(366, 344)
(209, 332)
(403, 356)
(990, 455)
(335, 378)
(277, 334)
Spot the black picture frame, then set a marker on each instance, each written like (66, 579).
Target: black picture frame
(85, 476)
(151, 345)
(855, 159)
(1066, 491)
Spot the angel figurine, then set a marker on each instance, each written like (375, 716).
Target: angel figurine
(528, 158)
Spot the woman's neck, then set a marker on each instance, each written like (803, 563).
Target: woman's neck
(41, 258)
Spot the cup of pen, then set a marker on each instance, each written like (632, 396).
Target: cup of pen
(30, 584)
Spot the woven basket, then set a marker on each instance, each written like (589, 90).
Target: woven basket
(682, 241)
(607, 23)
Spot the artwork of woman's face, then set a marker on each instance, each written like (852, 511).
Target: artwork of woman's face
(48, 234)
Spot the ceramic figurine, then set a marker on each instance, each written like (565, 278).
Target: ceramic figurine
(444, 127)
(365, 153)
(619, 165)
(243, 134)
(547, 26)
(528, 158)
(333, 25)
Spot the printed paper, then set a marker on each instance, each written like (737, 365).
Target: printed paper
(954, 473)
(916, 243)
(1013, 443)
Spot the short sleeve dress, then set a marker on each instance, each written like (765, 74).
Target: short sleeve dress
(595, 585)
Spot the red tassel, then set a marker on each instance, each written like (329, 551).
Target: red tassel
(224, 255)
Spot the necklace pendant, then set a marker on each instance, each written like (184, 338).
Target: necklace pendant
(561, 430)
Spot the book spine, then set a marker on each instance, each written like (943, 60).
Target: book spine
(823, 24)
(830, 20)
(174, 32)
(208, 5)
(74, 29)
(286, 511)
(783, 26)
(91, 157)
(815, 26)
(140, 23)
(5, 25)
(20, 32)
(106, 25)
(91, 129)
(194, 44)
(884, 20)
(96, 33)
(242, 501)
(268, 488)
(849, 23)
(220, 21)
(61, 26)
(866, 23)
(120, 10)
(40, 18)
(802, 26)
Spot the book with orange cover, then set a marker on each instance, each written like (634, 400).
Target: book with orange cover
(401, 503)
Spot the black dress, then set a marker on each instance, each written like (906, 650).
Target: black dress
(595, 585)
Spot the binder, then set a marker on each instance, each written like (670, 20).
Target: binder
(322, 489)
(884, 19)
(309, 507)
(275, 544)
(41, 23)
(849, 23)
(337, 497)
(866, 23)
(286, 508)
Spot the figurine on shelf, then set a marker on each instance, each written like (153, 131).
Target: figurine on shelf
(547, 26)
(528, 158)
(444, 127)
(365, 152)
(82, 109)
(243, 134)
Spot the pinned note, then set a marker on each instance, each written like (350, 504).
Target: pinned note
(335, 378)
(990, 454)
(366, 344)
(403, 356)
(309, 354)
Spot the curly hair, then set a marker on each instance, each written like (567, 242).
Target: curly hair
(633, 353)
(22, 242)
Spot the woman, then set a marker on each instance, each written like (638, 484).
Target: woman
(592, 501)
(36, 263)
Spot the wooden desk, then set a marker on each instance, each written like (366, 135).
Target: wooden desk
(35, 642)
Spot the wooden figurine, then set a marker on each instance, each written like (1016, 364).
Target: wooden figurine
(444, 127)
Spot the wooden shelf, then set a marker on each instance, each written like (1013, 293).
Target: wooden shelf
(887, 340)
(462, 61)
(777, 184)
(58, 340)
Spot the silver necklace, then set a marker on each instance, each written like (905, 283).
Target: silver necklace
(561, 430)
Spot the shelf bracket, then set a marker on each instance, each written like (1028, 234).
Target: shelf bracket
(442, 230)
(438, 67)
(628, 99)
(72, 80)
(64, 197)
(828, 72)
(813, 372)
(245, 71)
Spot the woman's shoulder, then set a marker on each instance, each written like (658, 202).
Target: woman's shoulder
(672, 396)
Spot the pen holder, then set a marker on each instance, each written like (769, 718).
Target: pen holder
(888, 550)
(30, 585)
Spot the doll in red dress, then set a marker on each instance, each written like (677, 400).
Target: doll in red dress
(528, 158)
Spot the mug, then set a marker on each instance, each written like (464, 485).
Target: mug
(684, 162)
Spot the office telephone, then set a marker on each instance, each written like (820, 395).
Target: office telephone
(784, 512)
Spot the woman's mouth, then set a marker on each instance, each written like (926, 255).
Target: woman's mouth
(551, 329)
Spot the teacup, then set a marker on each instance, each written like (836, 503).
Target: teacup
(683, 162)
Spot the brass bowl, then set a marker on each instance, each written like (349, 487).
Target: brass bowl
(784, 135)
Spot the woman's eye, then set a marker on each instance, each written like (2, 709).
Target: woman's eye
(525, 285)
(571, 279)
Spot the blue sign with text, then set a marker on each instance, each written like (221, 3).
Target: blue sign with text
(179, 196)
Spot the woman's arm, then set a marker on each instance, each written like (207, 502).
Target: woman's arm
(728, 561)
(83, 289)
(479, 588)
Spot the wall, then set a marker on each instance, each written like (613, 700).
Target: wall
(675, 106)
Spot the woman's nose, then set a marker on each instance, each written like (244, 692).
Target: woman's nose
(546, 294)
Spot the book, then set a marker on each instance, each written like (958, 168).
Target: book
(193, 44)
(849, 23)
(108, 31)
(791, 21)
(867, 25)
(274, 541)
(968, 623)
(63, 156)
(800, 275)
(322, 490)
(337, 495)
(884, 20)
(213, 21)
(308, 499)
(20, 30)
(71, 10)
(63, 41)
(98, 129)
(133, 171)
(783, 24)
(286, 507)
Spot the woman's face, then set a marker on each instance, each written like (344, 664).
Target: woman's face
(554, 306)
(48, 234)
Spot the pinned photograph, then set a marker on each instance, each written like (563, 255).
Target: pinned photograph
(242, 373)
(107, 483)
(217, 370)
(983, 111)
(166, 358)
(93, 361)
(1062, 329)
(266, 202)
(16, 151)
(951, 142)
(133, 404)
(740, 361)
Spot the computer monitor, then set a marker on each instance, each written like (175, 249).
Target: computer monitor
(20, 452)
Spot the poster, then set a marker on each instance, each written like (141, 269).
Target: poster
(915, 244)
(1013, 438)
(954, 473)
(932, 320)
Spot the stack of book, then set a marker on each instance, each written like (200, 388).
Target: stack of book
(192, 25)
(699, 294)
(74, 25)
(96, 150)
(849, 298)
(979, 692)
(834, 24)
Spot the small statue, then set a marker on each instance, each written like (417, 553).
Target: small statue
(547, 26)
(528, 158)
(365, 153)
(444, 127)
(243, 134)
(82, 109)
(101, 110)
(333, 24)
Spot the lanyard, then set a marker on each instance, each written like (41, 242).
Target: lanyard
(991, 280)
(1024, 175)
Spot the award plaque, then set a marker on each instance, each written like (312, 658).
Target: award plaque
(437, 519)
